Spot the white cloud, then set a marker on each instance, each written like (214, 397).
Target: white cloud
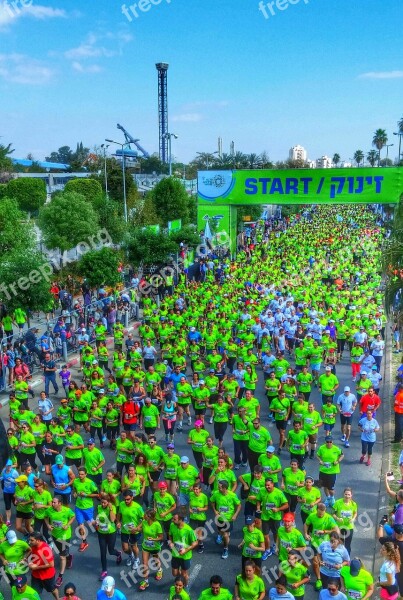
(94, 46)
(382, 75)
(9, 14)
(18, 68)
(80, 68)
(188, 117)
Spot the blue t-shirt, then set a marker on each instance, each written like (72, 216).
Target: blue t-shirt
(117, 595)
(326, 595)
(368, 429)
(332, 558)
(274, 595)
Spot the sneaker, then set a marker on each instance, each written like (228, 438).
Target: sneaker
(274, 549)
(224, 554)
(104, 438)
(143, 585)
(236, 466)
(211, 420)
(119, 558)
(200, 549)
(158, 575)
(318, 585)
(69, 561)
(354, 379)
(179, 429)
(103, 575)
(8, 523)
(244, 464)
(331, 501)
(43, 469)
(218, 539)
(368, 463)
(83, 546)
(362, 459)
(59, 581)
(129, 562)
(343, 438)
(347, 444)
(135, 563)
(189, 420)
(266, 554)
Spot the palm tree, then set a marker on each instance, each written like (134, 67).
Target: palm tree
(224, 161)
(380, 140)
(359, 157)
(372, 157)
(254, 161)
(265, 160)
(239, 160)
(336, 159)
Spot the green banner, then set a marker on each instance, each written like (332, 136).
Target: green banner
(175, 225)
(367, 185)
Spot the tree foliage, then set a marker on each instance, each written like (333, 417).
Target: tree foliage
(67, 220)
(188, 235)
(6, 164)
(115, 180)
(254, 212)
(90, 188)
(100, 267)
(110, 218)
(144, 212)
(171, 201)
(14, 232)
(392, 260)
(29, 192)
(66, 155)
(149, 248)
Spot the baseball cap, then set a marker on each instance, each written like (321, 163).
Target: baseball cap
(328, 368)
(9, 463)
(202, 382)
(328, 438)
(270, 449)
(355, 567)
(90, 441)
(249, 520)
(64, 400)
(108, 584)
(171, 446)
(211, 371)
(11, 536)
(288, 517)
(20, 581)
(193, 329)
(59, 460)
(199, 423)
(364, 373)
(398, 528)
(184, 459)
(101, 391)
(309, 477)
(347, 389)
(374, 368)
(95, 362)
(162, 485)
(21, 478)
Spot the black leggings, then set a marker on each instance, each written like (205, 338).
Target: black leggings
(198, 456)
(219, 430)
(292, 501)
(40, 525)
(107, 543)
(96, 431)
(366, 447)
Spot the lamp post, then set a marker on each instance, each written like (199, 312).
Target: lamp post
(124, 175)
(387, 149)
(104, 148)
(399, 133)
(169, 136)
(206, 156)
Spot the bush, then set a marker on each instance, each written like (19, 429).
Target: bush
(89, 188)
(29, 192)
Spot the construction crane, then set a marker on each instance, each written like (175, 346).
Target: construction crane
(130, 140)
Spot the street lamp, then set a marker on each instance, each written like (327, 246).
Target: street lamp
(387, 149)
(124, 175)
(399, 133)
(169, 136)
(104, 148)
(206, 156)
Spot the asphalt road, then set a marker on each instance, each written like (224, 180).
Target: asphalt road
(364, 481)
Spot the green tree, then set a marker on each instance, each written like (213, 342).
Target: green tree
(144, 212)
(380, 140)
(115, 180)
(336, 159)
(67, 220)
(25, 276)
(392, 260)
(153, 164)
(110, 218)
(64, 155)
(14, 232)
(359, 157)
(254, 161)
(6, 164)
(254, 212)
(188, 235)
(372, 157)
(100, 267)
(29, 192)
(90, 188)
(149, 248)
(171, 200)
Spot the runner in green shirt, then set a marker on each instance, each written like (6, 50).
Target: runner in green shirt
(296, 574)
(356, 582)
(215, 591)
(288, 537)
(151, 546)
(345, 512)
(58, 520)
(270, 503)
(293, 479)
(328, 384)
(253, 541)
(182, 541)
(129, 521)
(297, 440)
(12, 554)
(329, 457)
(308, 496)
(23, 500)
(164, 505)
(271, 464)
(318, 526)
(226, 506)
(329, 412)
(84, 490)
(93, 462)
(198, 506)
(311, 423)
(304, 380)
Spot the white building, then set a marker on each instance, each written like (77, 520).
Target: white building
(324, 163)
(298, 153)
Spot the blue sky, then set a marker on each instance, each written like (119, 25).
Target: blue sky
(321, 73)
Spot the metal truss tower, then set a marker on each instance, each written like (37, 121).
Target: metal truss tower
(162, 69)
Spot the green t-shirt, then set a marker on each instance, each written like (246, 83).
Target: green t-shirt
(292, 539)
(198, 439)
(91, 459)
(255, 485)
(183, 595)
(251, 407)
(296, 441)
(105, 525)
(151, 531)
(345, 512)
(28, 594)
(299, 409)
(272, 387)
(304, 380)
(294, 575)
(226, 475)
(171, 466)
(210, 456)
(356, 587)
(280, 408)
(154, 456)
(329, 456)
(196, 502)
(46, 499)
(14, 553)
(73, 440)
(226, 505)
(291, 480)
(187, 478)
(162, 504)
(240, 428)
(223, 595)
(254, 537)
(270, 500)
(329, 412)
(121, 446)
(310, 420)
(110, 487)
(221, 412)
(258, 438)
(24, 495)
(328, 384)
(315, 524)
(27, 438)
(59, 519)
(149, 415)
(250, 590)
(182, 537)
(269, 465)
(82, 489)
(308, 497)
(131, 516)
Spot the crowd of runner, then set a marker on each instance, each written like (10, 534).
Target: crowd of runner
(282, 316)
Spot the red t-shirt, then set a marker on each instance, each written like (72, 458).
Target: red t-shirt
(369, 402)
(40, 556)
(130, 411)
